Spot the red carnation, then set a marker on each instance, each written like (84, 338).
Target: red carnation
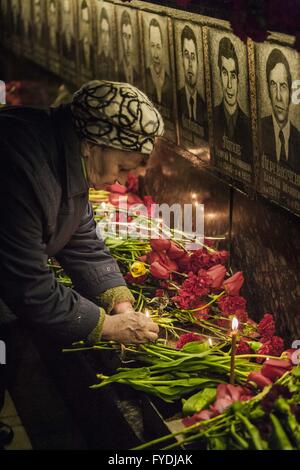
(202, 313)
(243, 347)
(234, 283)
(187, 338)
(266, 326)
(184, 263)
(232, 305)
(272, 347)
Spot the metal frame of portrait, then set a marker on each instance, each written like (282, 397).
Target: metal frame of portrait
(39, 31)
(53, 35)
(161, 92)
(133, 73)
(106, 57)
(69, 41)
(278, 138)
(191, 108)
(230, 115)
(86, 39)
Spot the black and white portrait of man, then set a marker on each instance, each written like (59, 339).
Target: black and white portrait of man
(280, 138)
(190, 71)
(106, 65)
(68, 38)
(128, 46)
(86, 36)
(232, 127)
(158, 79)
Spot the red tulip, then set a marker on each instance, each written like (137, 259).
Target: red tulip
(169, 264)
(273, 373)
(116, 188)
(134, 199)
(282, 364)
(132, 183)
(217, 274)
(234, 283)
(260, 380)
(158, 271)
(175, 252)
(117, 200)
(160, 244)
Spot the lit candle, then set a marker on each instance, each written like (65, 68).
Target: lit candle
(194, 196)
(234, 328)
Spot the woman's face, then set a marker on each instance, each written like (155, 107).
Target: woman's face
(105, 165)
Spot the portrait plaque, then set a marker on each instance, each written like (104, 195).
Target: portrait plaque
(106, 60)
(129, 50)
(278, 104)
(86, 39)
(159, 67)
(190, 79)
(231, 146)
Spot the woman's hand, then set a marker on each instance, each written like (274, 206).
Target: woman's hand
(129, 327)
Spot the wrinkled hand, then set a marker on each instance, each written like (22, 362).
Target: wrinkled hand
(129, 327)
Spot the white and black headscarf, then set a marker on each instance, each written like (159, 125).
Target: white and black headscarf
(117, 115)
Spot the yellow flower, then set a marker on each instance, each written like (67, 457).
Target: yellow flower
(138, 269)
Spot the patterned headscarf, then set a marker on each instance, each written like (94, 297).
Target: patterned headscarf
(117, 115)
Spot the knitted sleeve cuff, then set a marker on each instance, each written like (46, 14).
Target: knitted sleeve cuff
(114, 296)
(96, 333)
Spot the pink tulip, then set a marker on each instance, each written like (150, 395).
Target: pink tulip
(283, 364)
(260, 380)
(273, 373)
(116, 188)
(160, 244)
(217, 274)
(175, 252)
(234, 283)
(158, 271)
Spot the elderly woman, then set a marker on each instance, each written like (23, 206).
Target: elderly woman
(49, 161)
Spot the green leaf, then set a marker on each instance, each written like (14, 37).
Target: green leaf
(199, 401)
(196, 347)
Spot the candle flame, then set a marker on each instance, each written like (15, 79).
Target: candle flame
(194, 196)
(235, 324)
